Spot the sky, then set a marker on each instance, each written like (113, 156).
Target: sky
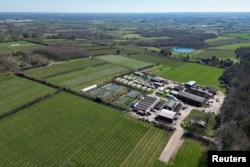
(124, 6)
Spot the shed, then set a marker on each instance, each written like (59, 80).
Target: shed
(158, 79)
(89, 88)
(170, 105)
(190, 83)
(166, 115)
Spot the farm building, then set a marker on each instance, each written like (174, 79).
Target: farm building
(158, 79)
(179, 88)
(178, 107)
(191, 99)
(138, 73)
(160, 105)
(89, 88)
(166, 115)
(157, 84)
(174, 93)
(143, 75)
(146, 103)
(170, 105)
(199, 92)
(190, 84)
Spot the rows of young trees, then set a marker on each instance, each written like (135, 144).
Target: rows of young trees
(61, 52)
(235, 112)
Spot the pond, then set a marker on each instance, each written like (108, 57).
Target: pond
(182, 50)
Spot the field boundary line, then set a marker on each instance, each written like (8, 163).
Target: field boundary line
(28, 104)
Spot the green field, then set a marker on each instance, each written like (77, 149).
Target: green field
(188, 155)
(154, 49)
(159, 59)
(124, 61)
(232, 47)
(102, 52)
(8, 47)
(62, 67)
(85, 77)
(222, 40)
(66, 130)
(203, 75)
(239, 35)
(16, 91)
(220, 54)
(132, 36)
(20, 44)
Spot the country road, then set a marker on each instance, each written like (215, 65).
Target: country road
(176, 139)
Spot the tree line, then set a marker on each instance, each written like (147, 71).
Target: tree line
(184, 38)
(235, 112)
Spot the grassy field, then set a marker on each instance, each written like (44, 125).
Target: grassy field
(154, 49)
(102, 52)
(66, 130)
(8, 47)
(16, 91)
(19, 44)
(221, 54)
(240, 35)
(158, 59)
(188, 155)
(232, 47)
(62, 67)
(222, 40)
(84, 77)
(203, 75)
(124, 61)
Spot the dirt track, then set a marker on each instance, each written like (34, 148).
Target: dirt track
(176, 140)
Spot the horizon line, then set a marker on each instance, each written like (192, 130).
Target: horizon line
(67, 12)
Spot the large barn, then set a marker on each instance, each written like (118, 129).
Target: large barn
(191, 99)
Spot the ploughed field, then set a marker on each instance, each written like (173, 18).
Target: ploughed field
(66, 130)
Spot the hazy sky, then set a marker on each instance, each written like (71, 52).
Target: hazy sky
(137, 6)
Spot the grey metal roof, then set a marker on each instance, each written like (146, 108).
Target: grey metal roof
(146, 103)
(171, 103)
(192, 97)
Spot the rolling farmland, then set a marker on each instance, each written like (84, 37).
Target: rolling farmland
(62, 67)
(209, 53)
(16, 91)
(158, 59)
(222, 40)
(8, 47)
(232, 46)
(240, 35)
(80, 78)
(124, 61)
(66, 130)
